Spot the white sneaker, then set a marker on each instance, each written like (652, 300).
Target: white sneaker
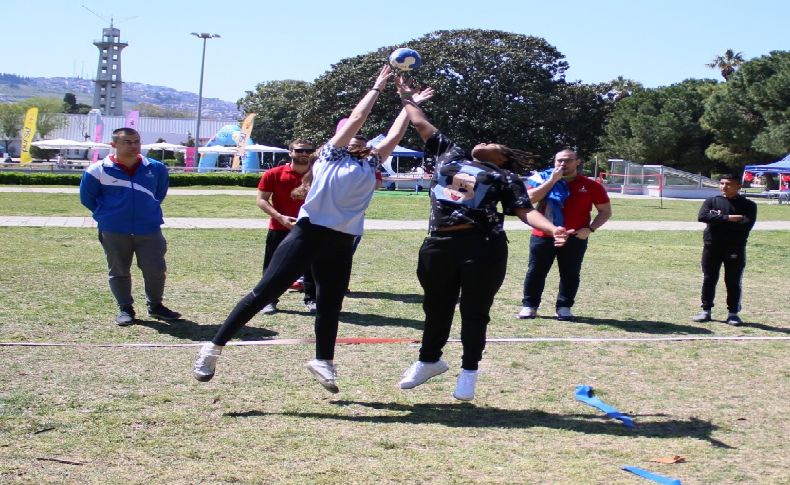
(310, 306)
(564, 314)
(270, 309)
(465, 388)
(206, 362)
(528, 312)
(324, 372)
(419, 372)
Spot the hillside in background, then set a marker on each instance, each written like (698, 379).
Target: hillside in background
(15, 88)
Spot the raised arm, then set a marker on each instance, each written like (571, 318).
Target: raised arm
(398, 128)
(407, 95)
(360, 113)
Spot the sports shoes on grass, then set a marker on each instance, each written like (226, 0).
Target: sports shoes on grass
(161, 312)
(734, 320)
(528, 312)
(125, 317)
(564, 314)
(703, 316)
(419, 372)
(206, 362)
(270, 309)
(465, 387)
(325, 374)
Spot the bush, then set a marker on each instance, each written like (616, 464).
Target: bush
(41, 154)
(176, 179)
(225, 179)
(24, 178)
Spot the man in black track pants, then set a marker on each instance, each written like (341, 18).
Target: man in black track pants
(729, 218)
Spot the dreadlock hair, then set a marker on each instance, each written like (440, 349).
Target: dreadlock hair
(519, 161)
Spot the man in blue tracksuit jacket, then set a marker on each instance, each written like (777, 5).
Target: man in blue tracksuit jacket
(125, 193)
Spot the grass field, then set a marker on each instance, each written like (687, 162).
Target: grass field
(84, 413)
(385, 205)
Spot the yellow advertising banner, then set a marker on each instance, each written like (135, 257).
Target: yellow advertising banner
(244, 135)
(28, 132)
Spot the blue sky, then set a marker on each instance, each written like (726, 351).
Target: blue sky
(656, 43)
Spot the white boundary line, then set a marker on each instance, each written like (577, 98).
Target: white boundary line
(260, 343)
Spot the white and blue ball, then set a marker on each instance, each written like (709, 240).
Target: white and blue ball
(405, 59)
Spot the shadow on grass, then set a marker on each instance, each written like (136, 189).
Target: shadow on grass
(381, 295)
(465, 415)
(644, 326)
(767, 328)
(367, 319)
(376, 320)
(189, 330)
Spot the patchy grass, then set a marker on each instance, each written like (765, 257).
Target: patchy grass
(80, 414)
(385, 205)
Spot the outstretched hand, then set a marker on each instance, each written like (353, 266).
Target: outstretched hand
(383, 77)
(406, 91)
(423, 95)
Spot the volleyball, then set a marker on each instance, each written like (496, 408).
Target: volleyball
(405, 59)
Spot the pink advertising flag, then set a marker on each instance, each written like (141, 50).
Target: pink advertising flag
(189, 159)
(132, 118)
(97, 138)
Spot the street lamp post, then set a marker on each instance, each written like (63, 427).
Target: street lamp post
(204, 36)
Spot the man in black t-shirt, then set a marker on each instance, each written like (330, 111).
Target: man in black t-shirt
(729, 217)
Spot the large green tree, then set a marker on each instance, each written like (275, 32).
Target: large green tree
(491, 86)
(277, 104)
(156, 111)
(749, 116)
(71, 106)
(10, 122)
(50, 114)
(662, 126)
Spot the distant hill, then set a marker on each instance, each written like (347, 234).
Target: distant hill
(15, 88)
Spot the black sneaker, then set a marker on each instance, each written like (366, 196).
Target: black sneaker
(703, 316)
(125, 317)
(734, 320)
(161, 312)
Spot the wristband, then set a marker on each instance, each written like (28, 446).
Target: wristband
(376, 89)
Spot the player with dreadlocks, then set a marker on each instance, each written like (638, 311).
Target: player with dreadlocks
(465, 253)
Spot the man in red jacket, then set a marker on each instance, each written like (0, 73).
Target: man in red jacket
(275, 198)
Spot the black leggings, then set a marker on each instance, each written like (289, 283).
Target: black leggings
(273, 239)
(465, 263)
(307, 245)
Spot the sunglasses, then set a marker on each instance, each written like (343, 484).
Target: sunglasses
(304, 150)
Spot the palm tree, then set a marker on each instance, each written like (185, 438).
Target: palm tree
(727, 64)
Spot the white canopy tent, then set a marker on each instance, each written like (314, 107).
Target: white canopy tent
(63, 144)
